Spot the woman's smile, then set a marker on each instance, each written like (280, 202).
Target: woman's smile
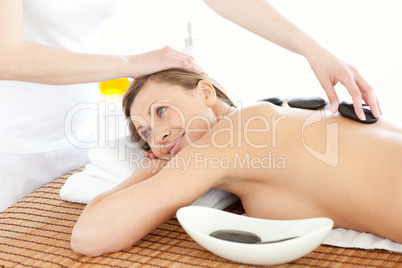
(175, 145)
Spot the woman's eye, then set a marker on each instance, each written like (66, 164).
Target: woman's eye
(146, 134)
(160, 110)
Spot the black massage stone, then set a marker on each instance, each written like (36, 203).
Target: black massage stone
(274, 100)
(347, 109)
(311, 103)
(236, 236)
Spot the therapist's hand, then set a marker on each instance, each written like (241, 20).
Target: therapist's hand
(158, 60)
(330, 70)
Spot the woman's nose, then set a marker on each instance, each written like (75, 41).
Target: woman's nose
(162, 136)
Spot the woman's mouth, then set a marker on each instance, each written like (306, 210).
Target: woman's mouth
(173, 149)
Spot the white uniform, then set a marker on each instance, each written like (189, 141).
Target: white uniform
(34, 118)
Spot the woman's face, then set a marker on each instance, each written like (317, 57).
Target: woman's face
(169, 117)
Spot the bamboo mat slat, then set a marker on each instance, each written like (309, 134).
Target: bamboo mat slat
(35, 232)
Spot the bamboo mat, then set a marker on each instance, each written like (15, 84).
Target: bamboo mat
(35, 232)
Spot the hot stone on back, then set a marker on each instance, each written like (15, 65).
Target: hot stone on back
(347, 109)
(274, 100)
(311, 103)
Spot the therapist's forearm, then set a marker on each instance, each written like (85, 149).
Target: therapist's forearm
(22, 60)
(261, 18)
(31, 62)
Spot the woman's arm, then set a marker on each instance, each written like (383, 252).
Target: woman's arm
(22, 60)
(119, 219)
(261, 18)
(149, 168)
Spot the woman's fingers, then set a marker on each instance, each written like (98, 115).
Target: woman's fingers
(149, 154)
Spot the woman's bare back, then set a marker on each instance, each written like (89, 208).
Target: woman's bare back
(290, 163)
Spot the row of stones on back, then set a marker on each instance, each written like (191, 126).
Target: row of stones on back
(315, 103)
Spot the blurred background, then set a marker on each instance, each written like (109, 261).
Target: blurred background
(364, 33)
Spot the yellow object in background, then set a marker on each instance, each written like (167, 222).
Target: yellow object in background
(114, 87)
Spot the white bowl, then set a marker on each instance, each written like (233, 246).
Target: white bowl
(199, 222)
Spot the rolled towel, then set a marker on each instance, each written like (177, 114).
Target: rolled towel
(82, 187)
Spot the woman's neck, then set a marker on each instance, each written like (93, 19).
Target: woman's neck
(222, 109)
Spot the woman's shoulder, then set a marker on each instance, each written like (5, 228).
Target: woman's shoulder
(257, 110)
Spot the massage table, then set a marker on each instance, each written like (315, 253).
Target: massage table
(35, 232)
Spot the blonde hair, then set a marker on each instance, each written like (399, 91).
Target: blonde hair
(182, 77)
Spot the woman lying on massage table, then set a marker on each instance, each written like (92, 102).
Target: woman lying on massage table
(284, 163)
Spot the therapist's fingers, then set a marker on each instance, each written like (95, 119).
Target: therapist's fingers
(193, 65)
(369, 96)
(161, 59)
(183, 60)
(331, 94)
(357, 98)
(174, 58)
(171, 58)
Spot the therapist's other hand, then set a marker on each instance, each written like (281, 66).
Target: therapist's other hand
(330, 70)
(161, 59)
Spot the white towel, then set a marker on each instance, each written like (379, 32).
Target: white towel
(112, 164)
(341, 237)
(82, 187)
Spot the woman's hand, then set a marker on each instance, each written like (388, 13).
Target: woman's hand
(161, 59)
(330, 70)
(150, 154)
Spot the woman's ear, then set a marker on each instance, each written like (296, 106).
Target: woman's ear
(208, 92)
